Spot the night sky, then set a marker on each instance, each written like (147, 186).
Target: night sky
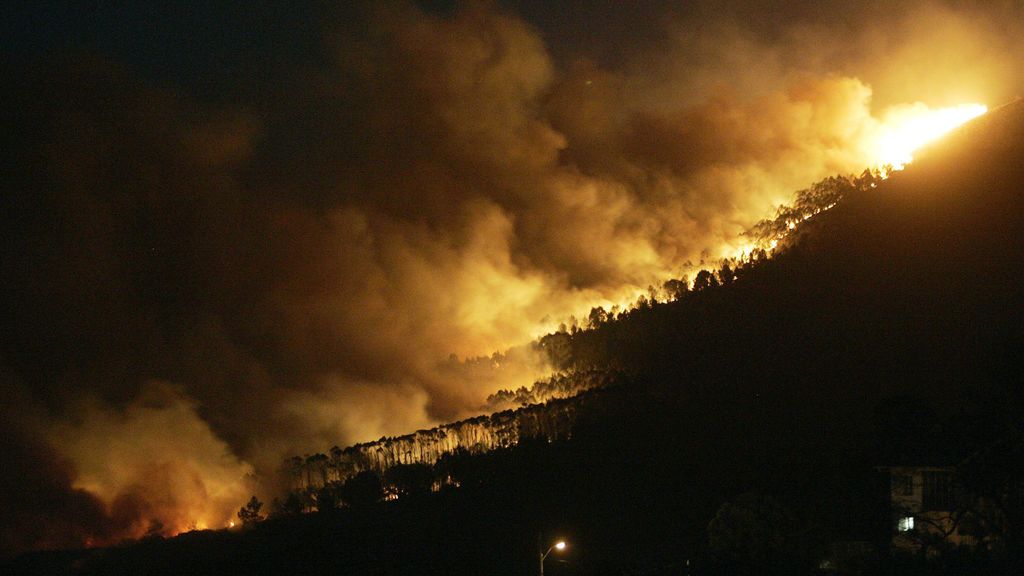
(237, 232)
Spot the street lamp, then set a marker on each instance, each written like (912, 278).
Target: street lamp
(560, 545)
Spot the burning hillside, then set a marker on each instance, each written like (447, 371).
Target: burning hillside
(240, 233)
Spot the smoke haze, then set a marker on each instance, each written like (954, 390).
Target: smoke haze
(211, 265)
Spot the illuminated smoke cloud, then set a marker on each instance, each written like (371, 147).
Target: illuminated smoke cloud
(156, 464)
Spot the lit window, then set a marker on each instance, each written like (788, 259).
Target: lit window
(906, 524)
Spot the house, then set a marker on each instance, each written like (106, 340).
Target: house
(926, 509)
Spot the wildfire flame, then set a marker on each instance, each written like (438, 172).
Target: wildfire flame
(903, 131)
(888, 144)
(908, 128)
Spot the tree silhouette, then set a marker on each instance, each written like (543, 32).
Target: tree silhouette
(328, 497)
(704, 280)
(410, 480)
(676, 289)
(726, 274)
(317, 467)
(291, 506)
(994, 476)
(362, 490)
(250, 513)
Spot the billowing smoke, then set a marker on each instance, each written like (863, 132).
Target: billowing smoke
(200, 281)
(157, 463)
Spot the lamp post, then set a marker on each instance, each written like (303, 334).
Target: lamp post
(560, 545)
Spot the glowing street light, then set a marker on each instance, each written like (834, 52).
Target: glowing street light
(560, 545)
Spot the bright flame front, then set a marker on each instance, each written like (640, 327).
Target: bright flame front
(902, 130)
(908, 128)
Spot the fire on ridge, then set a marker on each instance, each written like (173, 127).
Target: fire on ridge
(908, 128)
(904, 130)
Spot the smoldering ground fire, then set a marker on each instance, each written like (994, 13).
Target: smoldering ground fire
(198, 284)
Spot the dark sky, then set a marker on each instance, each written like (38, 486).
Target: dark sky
(238, 231)
(209, 46)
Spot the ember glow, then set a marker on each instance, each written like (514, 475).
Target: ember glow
(908, 128)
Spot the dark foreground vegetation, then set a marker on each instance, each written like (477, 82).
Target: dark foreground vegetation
(756, 418)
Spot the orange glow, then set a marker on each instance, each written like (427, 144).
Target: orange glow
(908, 128)
(903, 130)
(191, 481)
